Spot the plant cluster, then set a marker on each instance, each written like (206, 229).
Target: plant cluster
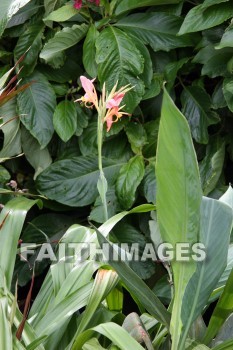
(157, 172)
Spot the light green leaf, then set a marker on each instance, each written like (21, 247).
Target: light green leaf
(200, 18)
(36, 107)
(62, 14)
(112, 331)
(12, 219)
(215, 229)
(62, 40)
(156, 29)
(11, 130)
(38, 158)
(65, 120)
(126, 5)
(89, 51)
(7, 9)
(73, 181)
(134, 283)
(178, 199)
(119, 60)
(130, 176)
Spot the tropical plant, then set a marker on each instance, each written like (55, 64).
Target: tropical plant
(88, 304)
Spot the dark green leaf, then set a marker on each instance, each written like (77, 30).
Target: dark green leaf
(126, 5)
(119, 60)
(228, 92)
(196, 105)
(227, 39)
(212, 165)
(200, 18)
(89, 51)
(137, 136)
(36, 107)
(62, 40)
(148, 185)
(156, 29)
(32, 38)
(88, 140)
(130, 176)
(73, 181)
(65, 120)
(152, 129)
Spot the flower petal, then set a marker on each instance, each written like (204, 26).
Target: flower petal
(87, 84)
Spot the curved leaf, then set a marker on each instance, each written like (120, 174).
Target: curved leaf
(62, 40)
(178, 199)
(157, 29)
(36, 106)
(73, 181)
(126, 5)
(119, 60)
(65, 120)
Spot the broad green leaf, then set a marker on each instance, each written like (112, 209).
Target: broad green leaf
(73, 181)
(214, 61)
(82, 120)
(196, 104)
(156, 29)
(24, 13)
(228, 92)
(112, 331)
(200, 18)
(152, 129)
(137, 136)
(227, 39)
(12, 219)
(36, 106)
(93, 344)
(222, 310)
(212, 165)
(125, 6)
(62, 14)
(135, 284)
(178, 199)
(4, 175)
(7, 9)
(62, 40)
(119, 60)
(39, 158)
(31, 38)
(65, 120)
(51, 5)
(129, 178)
(215, 229)
(89, 51)
(12, 143)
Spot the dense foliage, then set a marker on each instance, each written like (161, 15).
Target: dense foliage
(49, 156)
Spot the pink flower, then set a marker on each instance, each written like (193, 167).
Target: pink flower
(78, 4)
(90, 92)
(116, 100)
(111, 113)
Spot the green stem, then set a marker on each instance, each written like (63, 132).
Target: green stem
(102, 179)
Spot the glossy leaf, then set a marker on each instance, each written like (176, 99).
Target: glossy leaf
(7, 9)
(155, 29)
(200, 18)
(65, 120)
(63, 40)
(89, 51)
(129, 178)
(73, 181)
(125, 6)
(119, 60)
(36, 106)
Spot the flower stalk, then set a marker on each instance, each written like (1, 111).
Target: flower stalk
(108, 110)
